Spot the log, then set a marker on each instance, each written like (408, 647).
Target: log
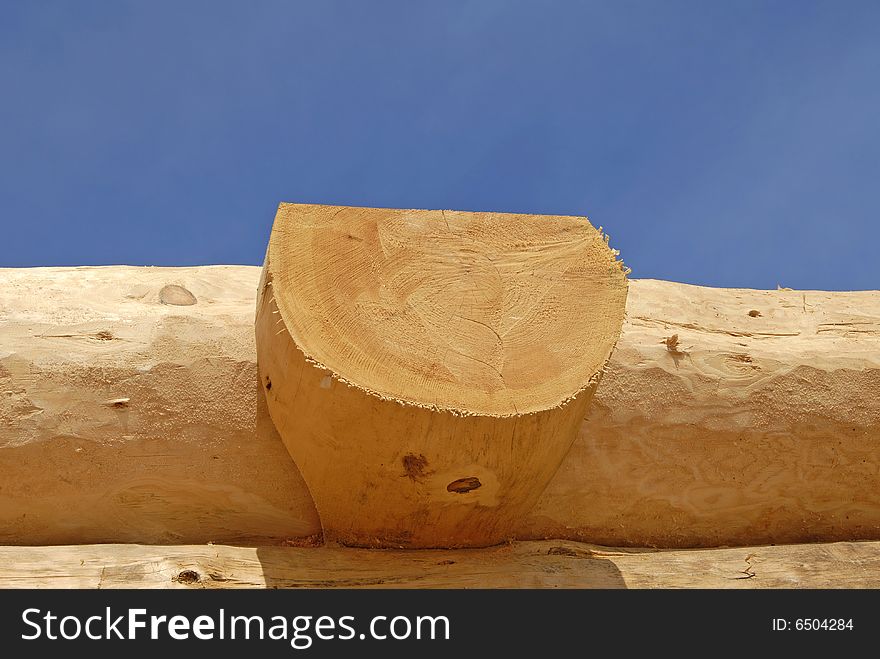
(537, 564)
(429, 370)
(728, 417)
(126, 419)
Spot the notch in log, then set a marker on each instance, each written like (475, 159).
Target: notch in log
(429, 370)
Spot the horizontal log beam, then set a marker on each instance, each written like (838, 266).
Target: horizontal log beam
(725, 417)
(537, 564)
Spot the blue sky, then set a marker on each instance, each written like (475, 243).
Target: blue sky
(721, 143)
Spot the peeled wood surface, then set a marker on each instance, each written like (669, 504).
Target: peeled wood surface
(685, 447)
(127, 418)
(429, 370)
(728, 417)
(546, 564)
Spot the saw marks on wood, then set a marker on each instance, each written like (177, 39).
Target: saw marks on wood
(549, 564)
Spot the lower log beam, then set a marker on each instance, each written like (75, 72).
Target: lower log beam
(535, 564)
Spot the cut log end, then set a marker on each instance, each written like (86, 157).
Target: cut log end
(474, 313)
(428, 370)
